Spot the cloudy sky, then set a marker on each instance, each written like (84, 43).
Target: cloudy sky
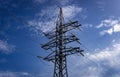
(23, 21)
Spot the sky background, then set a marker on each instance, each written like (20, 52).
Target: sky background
(23, 21)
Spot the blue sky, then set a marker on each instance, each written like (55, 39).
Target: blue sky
(23, 21)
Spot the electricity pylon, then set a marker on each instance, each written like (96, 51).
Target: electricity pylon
(58, 44)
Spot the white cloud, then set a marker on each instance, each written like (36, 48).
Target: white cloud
(70, 12)
(5, 47)
(112, 25)
(58, 2)
(110, 55)
(97, 64)
(47, 17)
(116, 28)
(64, 2)
(107, 23)
(14, 74)
(40, 1)
(88, 25)
(45, 26)
(101, 5)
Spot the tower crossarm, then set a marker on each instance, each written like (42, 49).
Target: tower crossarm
(74, 50)
(67, 27)
(49, 57)
(71, 26)
(71, 38)
(67, 39)
(68, 51)
(50, 34)
(50, 44)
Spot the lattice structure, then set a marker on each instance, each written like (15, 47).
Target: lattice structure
(58, 45)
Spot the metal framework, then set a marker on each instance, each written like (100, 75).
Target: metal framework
(58, 44)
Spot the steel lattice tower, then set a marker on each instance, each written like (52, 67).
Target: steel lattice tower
(58, 45)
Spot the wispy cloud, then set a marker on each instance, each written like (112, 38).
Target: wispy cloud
(70, 12)
(5, 47)
(112, 25)
(88, 25)
(101, 5)
(108, 58)
(101, 63)
(57, 2)
(14, 74)
(64, 2)
(40, 1)
(47, 17)
(110, 54)
(23, 74)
